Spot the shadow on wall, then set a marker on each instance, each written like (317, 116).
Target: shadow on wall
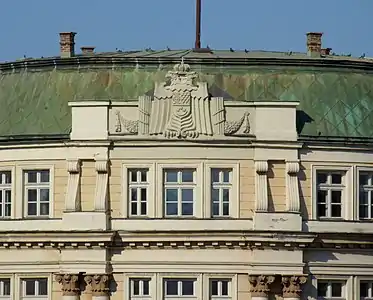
(303, 205)
(270, 175)
(301, 119)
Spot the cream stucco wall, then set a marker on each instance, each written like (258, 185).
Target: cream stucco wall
(247, 188)
(276, 186)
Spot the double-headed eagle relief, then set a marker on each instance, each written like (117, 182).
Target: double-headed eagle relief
(181, 109)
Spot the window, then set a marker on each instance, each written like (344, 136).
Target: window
(138, 191)
(4, 288)
(174, 288)
(37, 193)
(329, 197)
(5, 194)
(220, 288)
(327, 289)
(365, 195)
(221, 187)
(140, 288)
(366, 290)
(35, 288)
(179, 192)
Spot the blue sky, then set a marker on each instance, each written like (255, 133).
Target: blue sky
(31, 27)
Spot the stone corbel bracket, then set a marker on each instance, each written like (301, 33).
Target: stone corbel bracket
(260, 285)
(99, 285)
(102, 168)
(70, 285)
(292, 187)
(291, 286)
(72, 201)
(261, 186)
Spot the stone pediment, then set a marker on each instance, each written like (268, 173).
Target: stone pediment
(181, 109)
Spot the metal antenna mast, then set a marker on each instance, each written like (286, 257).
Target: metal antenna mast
(198, 25)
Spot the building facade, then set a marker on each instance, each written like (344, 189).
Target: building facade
(186, 174)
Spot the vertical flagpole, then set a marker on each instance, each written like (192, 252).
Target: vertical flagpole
(198, 25)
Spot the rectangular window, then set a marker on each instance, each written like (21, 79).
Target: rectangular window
(179, 192)
(138, 188)
(35, 288)
(329, 194)
(139, 288)
(4, 288)
(366, 290)
(5, 194)
(220, 289)
(365, 195)
(221, 191)
(174, 288)
(331, 289)
(37, 193)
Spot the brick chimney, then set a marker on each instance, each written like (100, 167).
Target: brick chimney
(67, 44)
(314, 44)
(87, 49)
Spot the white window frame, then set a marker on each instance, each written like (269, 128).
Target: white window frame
(232, 287)
(358, 279)
(198, 188)
(348, 289)
(151, 201)
(21, 209)
(12, 188)
(234, 201)
(357, 194)
(198, 290)
(19, 292)
(152, 285)
(347, 193)
(10, 278)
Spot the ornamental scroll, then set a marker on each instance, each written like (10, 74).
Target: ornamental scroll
(181, 109)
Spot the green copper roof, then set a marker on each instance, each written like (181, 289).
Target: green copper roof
(335, 93)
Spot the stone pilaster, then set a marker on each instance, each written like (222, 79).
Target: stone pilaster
(99, 285)
(69, 285)
(261, 186)
(291, 286)
(260, 286)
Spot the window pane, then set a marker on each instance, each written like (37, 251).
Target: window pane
(363, 197)
(31, 176)
(215, 175)
(322, 288)
(5, 177)
(224, 288)
(44, 195)
(30, 287)
(321, 177)
(215, 209)
(143, 194)
(133, 176)
(8, 196)
(187, 176)
(31, 209)
(336, 289)
(364, 289)
(134, 208)
(133, 194)
(43, 286)
(145, 288)
(144, 176)
(171, 287)
(321, 196)
(171, 209)
(187, 195)
(215, 195)
(143, 208)
(226, 176)
(171, 176)
(321, 210)
(136, 287)
(187, 209)
(226, 195)
(336, 211)
(187, 287)
(6, 285)
(363, 211)
(214, 288)
(8, 210)
(337, 178)
(363, 179)
(336, 196)
(32, 195)
(225, 208)
(44, 209)
(171, 195)
(44, 176)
